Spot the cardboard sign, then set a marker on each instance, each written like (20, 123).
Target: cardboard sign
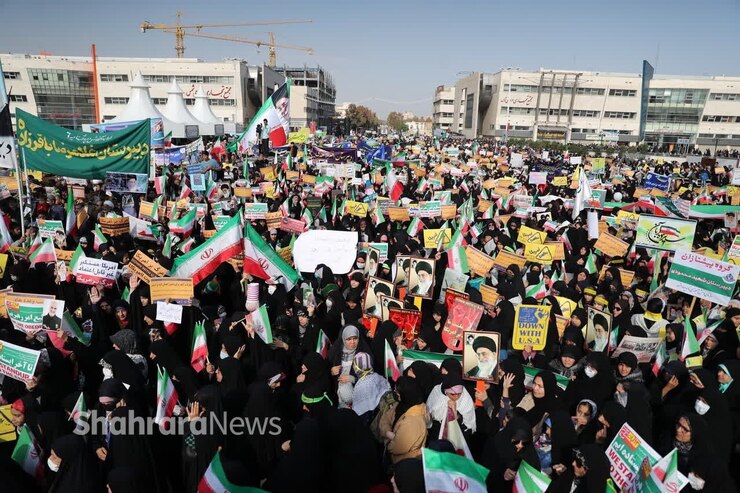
(560, 181)
(663, 233)
(48, 228)
(489, 295)
(254, 211)
(626, 454)
(335, 249)
(274, 219)
(169, 312)
(293, 226)
(449, 212)
(145, 268)
(504, 259)
(18, 362)
(558, 249)
(243, 192)
(530, 326)
(409, 321)
(26, 311)
(463, 315)
(94, 271)
(398, 214)
(642, 347)
(432, 208)
(432, 237)
(529, 235)
(611, 246)
(174, 289)
(354, 208)
(540, 254)
(114, 226)
(479, 263)
(703, 277)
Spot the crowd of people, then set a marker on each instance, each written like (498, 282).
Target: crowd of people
(351, 410)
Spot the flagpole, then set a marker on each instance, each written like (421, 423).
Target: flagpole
(20, 194)
(28, 188)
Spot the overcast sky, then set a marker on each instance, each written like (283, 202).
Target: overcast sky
(391, 54)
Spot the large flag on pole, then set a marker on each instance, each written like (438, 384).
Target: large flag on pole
(200, 349)
(27, 453)
(276, 110)
(7, 143)
(447, 472)
(530, 480)
(200, 262)
(215, 481)
(583, 195)
(262, 261)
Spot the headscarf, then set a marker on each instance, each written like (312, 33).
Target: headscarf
(438, 398)
(78, 471)
(548, 402)
(425, 375)
(370, 386)
(593, 458)
(409, 394)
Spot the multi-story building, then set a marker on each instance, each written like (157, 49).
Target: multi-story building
(582, 106)
(62, 89)
(443, 106)
(312, 96)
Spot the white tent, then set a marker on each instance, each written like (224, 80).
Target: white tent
(202, 111)
(175, 108)
(140, 106)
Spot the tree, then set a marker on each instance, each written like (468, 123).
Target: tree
(361, 117)
(395, 121)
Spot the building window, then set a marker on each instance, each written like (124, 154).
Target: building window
(725, 96)
(520, 88)
(590, 91)
(190, 79)
(553, 112)
(113, 77)
(222, 102)
(159, 100)
(586, 113)
(622, 92)
(12, 75)
(115, 100)
(719, 118)
(18, 98)
(521, 128)
(625, 115)
(583, 130)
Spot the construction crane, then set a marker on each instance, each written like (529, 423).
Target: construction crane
(180, 31)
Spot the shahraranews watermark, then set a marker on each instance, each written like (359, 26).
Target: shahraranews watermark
(96, 423)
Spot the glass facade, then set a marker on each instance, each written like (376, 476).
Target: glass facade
(63, 97)
(675, 110)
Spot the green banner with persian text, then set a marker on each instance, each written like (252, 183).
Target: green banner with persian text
(60, 151)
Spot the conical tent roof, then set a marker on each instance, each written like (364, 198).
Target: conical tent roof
(175, 108)
(202, 110)
(140, 105)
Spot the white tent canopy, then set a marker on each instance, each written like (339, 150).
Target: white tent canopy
(202, 110)
(175, 109)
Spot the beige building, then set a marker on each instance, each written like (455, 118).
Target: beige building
(583, 106)
(443, 106)
(312, 97)
(61, 89)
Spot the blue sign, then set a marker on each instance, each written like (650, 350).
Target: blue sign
(660, 182)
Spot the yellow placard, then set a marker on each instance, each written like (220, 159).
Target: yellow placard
(539, 254)
(484, 205)
(3, 295)
(274, 219)
(308, 179)
(114, 226)
(145, 267)
(530, 235)
(7, 430)
(505, 259)
(562, 323)
(566, 306)
(208, 233)
(268, 173)
(559, 249)
(432, 237)
(488, 294)
(145, 208)
(530, 326)
(171, 288)
(627, 216)
(398, 214)
(355, 208)
(479, 263)
(9, 182)
(286, 253)
(505, 182)
(65, 255)
(560, 181)
(624, 275)
(611, 246)
(449, 212)
(420, 172)
(489, 184)
(243, 192)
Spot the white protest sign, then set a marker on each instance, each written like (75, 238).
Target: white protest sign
(516, 160)
(642, 347)
(169, 312)
(335, 249)
(94, 271)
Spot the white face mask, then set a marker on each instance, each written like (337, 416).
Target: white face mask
(590, 372)
(329, 304)
(696, 482)
(224, 354)
(271, 289)
(52, 466)
(107, 373)
(701, 407)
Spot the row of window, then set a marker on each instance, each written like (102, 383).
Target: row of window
(719, 136)
(724, 96)
(113, 77)
(623, 92)
(11, 75)
(721, 119)
(625, 115)
(163, 101)
(520, 128)
(18, 98)
(191, 79)
(554, 112)
(585, 91)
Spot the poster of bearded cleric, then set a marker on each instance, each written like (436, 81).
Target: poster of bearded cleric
(421, 277)
(480, 355)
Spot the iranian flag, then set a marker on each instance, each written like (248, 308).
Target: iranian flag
(166, 398)
(155, 207)
(536, 291)
(660, 357)
(457, 240)
(276, 111)
(69, 325)
(184, 225)
(591, 263)
(259, 322)
(415, 227)
(322, 344)
(159, 184)
(35, 244)
(445, 472)
(690, 344)
(79, 412)
(215, 481)
(529, 480)
(211, 189)
(664, 476)
(45, 253)
(71, 221)
(27, 453)
(200, 262)
(186, 245)
(377, 216)
(391, 367)
(5, 239)
(436, 359)
(98, 238)
(262, 261)
(167, 248)
(457, 259)
(200, 349)
(394, 185)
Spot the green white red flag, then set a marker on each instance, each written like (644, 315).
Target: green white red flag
(391, 367)
(215, 481)
(322, 344)
(45, 253)
(276, 111)
(530, 480)
(71, 226)
(445, 472)
(200, 349)
(184, 225)
(259, 322)
(166, 398)
(27, 453)
(262, 261)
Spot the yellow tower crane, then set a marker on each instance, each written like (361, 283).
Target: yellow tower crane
(180, 31)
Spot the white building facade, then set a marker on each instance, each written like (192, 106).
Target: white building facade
(596, 107)
(62, 89)
(443, 106)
